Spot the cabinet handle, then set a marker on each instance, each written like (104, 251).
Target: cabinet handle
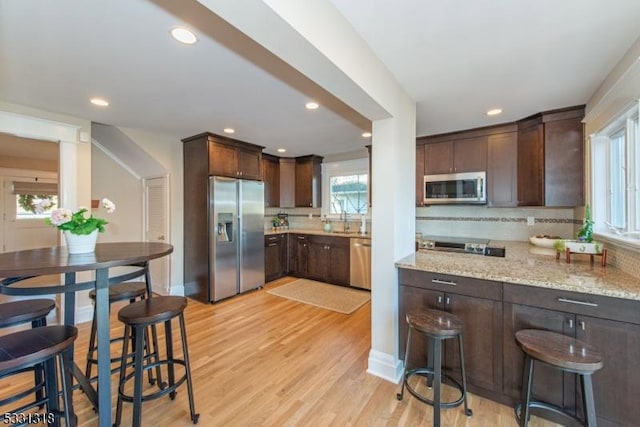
(570, 323)
(301, 237)
(583, 325)
(443, 282)
(439, 300)
(272, 244)
(573, 301)
(448, 301)
(272, 238)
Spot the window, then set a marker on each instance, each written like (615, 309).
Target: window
(34, 199)
(615, 180)
(348, 193)
(345, 188)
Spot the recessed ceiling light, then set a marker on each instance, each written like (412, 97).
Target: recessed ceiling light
(311, 105)
(229, 130)
(183, 35)
(366, 134)
(282, 150)
(100, 102)
(494, 112)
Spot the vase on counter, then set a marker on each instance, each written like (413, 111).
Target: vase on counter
(81, 243)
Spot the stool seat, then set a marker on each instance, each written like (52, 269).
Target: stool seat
(435, 323)
(559, 350)
(152, 310)
(123, 291)
(16, 312)
(32, 346)
(565, 354)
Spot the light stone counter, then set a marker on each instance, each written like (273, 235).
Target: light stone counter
(316, 233)
(528, 265)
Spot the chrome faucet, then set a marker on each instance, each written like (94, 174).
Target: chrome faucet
(345, 227)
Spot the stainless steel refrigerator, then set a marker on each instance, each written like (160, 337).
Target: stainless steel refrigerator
(236, 236)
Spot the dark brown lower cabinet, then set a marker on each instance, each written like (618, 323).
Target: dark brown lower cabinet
(298, 255)
(478, 304)
(328, 259)
(493, 312)
(275, 256)
(581, 316)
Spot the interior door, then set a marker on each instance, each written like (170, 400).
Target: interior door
(156, 230)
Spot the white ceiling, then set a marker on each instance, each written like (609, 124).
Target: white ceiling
(455, 58)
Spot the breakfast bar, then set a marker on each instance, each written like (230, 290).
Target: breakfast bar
(530, 288)
(18, 266)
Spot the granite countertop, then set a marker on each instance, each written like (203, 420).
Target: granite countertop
(317, 233)
(526, 264)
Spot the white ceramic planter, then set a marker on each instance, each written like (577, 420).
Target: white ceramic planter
(583, 247)
(81, 243)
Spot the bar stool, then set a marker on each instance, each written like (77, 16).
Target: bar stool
(131, 291)
(14, 313)
(565, 354)
(137, 317)
(437, 326)
(46, 345)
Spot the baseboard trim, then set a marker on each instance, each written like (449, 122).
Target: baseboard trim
(385, 366)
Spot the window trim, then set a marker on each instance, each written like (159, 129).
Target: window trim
(627, 121)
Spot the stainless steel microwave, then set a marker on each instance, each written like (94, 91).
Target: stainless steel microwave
(468, 187)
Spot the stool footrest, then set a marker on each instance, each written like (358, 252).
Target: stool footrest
(164, 388)
(423, 372)
(547, 407)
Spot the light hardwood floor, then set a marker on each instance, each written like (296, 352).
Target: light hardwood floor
(262, 360)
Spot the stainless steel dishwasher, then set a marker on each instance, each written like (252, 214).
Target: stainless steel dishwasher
(360, 253)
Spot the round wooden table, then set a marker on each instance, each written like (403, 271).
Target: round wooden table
(18, 266)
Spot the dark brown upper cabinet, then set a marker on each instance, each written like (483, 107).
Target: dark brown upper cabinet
(271, 178)
(551, 159)
(230, 157)
(502, 168)
(460, 154)
(308, 187)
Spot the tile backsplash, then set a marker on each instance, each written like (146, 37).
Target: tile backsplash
(494, 223)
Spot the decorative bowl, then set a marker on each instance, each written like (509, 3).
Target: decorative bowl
(544, 241)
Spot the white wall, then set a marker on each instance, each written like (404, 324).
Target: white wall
(112, 181)
(167, 151)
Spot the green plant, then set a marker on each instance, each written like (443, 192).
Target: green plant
(77, 222)
(585, 234)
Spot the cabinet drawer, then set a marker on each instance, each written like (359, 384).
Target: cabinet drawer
(453, 284)
(273, 238)
(329, 240)
(574, 302)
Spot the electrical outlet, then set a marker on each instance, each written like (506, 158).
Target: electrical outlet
(531, 220)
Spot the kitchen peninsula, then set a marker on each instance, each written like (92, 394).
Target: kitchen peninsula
(529, 288)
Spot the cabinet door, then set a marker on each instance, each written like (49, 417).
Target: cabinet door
(482, 340)
(438, 158)
(249, 164)
(616, 386)
(339, 257)
(304, 178)
(470, 154)
(502, 170)
(272, 261)
(415, 299)
(531, 166)
(318, 264)
(549, 385)
(222, 160)
(563, 163)
(420, 172)
(287, 183)
(271, 176)
(298, 255)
